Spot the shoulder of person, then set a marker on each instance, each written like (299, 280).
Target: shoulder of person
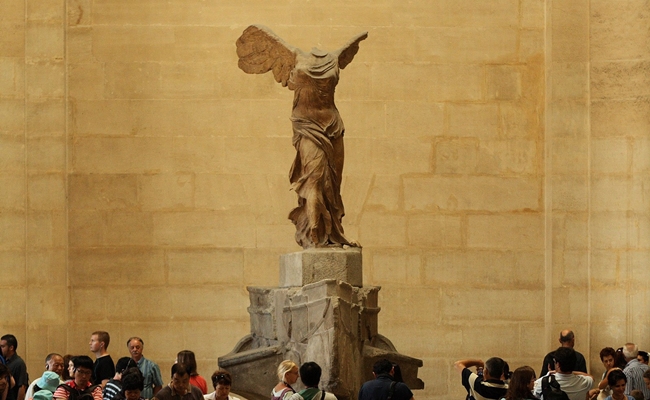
(296, 396)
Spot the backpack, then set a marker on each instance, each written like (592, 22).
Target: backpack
(283, 393)
(76, 394)
(391, 390)
(551, 389)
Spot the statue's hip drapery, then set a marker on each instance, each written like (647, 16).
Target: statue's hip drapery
(316, 176)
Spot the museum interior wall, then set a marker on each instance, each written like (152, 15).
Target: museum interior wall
(497, 173)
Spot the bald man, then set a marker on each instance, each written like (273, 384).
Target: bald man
(567, 339)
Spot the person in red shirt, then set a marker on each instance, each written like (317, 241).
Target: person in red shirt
(83, 369)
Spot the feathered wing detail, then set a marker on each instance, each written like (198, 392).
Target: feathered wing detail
(347, 52)
(260, 50)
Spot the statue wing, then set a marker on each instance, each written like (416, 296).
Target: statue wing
(260, 50)
(347, 52)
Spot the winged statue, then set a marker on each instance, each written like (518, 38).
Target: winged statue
(318, 129)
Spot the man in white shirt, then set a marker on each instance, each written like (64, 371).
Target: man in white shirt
(575, 384)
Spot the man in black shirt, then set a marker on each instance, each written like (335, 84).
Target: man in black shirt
(383, 384)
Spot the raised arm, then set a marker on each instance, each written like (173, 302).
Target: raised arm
(460, 365)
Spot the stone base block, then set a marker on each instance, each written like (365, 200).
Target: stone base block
(313, 265)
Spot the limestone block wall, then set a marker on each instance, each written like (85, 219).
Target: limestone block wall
(496, 173)
(33, 207)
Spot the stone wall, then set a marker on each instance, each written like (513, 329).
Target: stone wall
(496, 173)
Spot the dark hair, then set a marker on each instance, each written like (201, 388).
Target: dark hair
(132, 382)
(607, 351)
(615, 376)
(566, 357)
(310, 373)
(567, 338)
(397, 373)
(382, 366)
(497, 367)
(187, 357)
(221, 376)
(66, 361)
(4, 371)
(11, 340)
(82, 362)
(133, 370)
(644, 355)
(646, 374)
(103, 336)
(619, 359)
(518, 385)
(180, 369)
(123, 364)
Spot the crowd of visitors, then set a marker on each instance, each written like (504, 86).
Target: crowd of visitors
(563, 376)
(72, 377)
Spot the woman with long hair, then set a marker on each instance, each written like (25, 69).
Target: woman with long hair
(187, 357)
(521, 384)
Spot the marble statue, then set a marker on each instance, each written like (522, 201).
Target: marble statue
(318, 129)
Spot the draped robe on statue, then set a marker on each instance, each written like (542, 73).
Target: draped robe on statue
(317, 170)
(318, 129)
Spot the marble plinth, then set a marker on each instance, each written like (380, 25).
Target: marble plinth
(313, 265)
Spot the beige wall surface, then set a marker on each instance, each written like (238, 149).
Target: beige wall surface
(497, 173)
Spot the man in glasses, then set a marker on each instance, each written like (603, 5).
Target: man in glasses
(80, 385)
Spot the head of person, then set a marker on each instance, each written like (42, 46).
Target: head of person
(397, 373)
(180, 378)
(132, 385)
(99, 341)
(643, 357)
(619, 360)
(637, 394)
(48, 381)
(83, 369)
(8, 345)
(123, 364)
(54, 363)
(68, 367)
(567, 338)
(617, 381)
(521, 384)
(496, 368)
(288, 372)
(4, 374)
(630, 351)
(310, 373)
(565, 360)
(135, 346)
(383, 366)
(188, 358)
(222, 381)
(608, 358)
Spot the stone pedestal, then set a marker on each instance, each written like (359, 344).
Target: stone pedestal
(313, 265)
(328, 321)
